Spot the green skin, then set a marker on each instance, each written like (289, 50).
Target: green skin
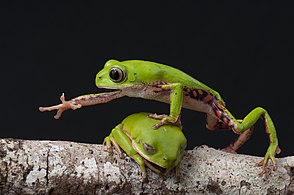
(136, 136)
(150, 80)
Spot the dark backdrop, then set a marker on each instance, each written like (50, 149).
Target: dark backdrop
(243, 50)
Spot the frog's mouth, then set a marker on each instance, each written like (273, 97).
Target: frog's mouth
(151, 165)
(156, 168)
(126, 87)
(121, 87)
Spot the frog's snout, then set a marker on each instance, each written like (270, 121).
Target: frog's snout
(99, 79)
(99, 76)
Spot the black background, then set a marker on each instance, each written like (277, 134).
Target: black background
(242, 50)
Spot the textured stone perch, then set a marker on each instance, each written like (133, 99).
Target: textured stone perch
(58, 167)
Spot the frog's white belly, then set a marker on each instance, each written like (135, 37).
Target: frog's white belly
(164, 96)
(199, 106)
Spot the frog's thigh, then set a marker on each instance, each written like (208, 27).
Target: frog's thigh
(213, 123)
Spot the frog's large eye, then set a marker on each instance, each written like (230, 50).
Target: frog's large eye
(149, 149)
(116, 75)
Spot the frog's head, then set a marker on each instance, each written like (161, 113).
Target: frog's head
(119, 75)
(163, 147)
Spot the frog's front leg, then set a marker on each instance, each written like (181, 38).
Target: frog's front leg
(178, 175)
(176, 99)
(120, 140)
(84, 100)
(110, 141)
(239, 127)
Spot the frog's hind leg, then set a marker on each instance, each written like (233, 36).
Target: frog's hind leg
(213, 123)
(250, 119)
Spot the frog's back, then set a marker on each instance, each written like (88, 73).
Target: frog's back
(138, 123)
(162, 72)
(165, 72)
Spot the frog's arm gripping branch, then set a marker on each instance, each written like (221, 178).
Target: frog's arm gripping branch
(84, 100)
(176, 99)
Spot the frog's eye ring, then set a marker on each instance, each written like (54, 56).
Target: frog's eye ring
(148, 149)
(117, 75)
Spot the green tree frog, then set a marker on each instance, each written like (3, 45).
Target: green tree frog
(155, 81)
(160, 150)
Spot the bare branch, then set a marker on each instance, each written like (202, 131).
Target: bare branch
(58, 167)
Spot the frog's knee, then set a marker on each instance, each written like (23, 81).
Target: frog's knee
(260, 110)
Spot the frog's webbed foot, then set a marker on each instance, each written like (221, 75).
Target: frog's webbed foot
(270, 155)
(65, 105)
(165, 120)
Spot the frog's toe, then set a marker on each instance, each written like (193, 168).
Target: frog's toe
(264, 167)
(168, 120)
(229, 149)
(278, 150)
(157, 125)
(274, 164)
(108, 145)
(58, 114)
(163, 121)
(264, 164)
(260, 163)
(157, 116)
(145, 178)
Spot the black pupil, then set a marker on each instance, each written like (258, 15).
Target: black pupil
(114, 74)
